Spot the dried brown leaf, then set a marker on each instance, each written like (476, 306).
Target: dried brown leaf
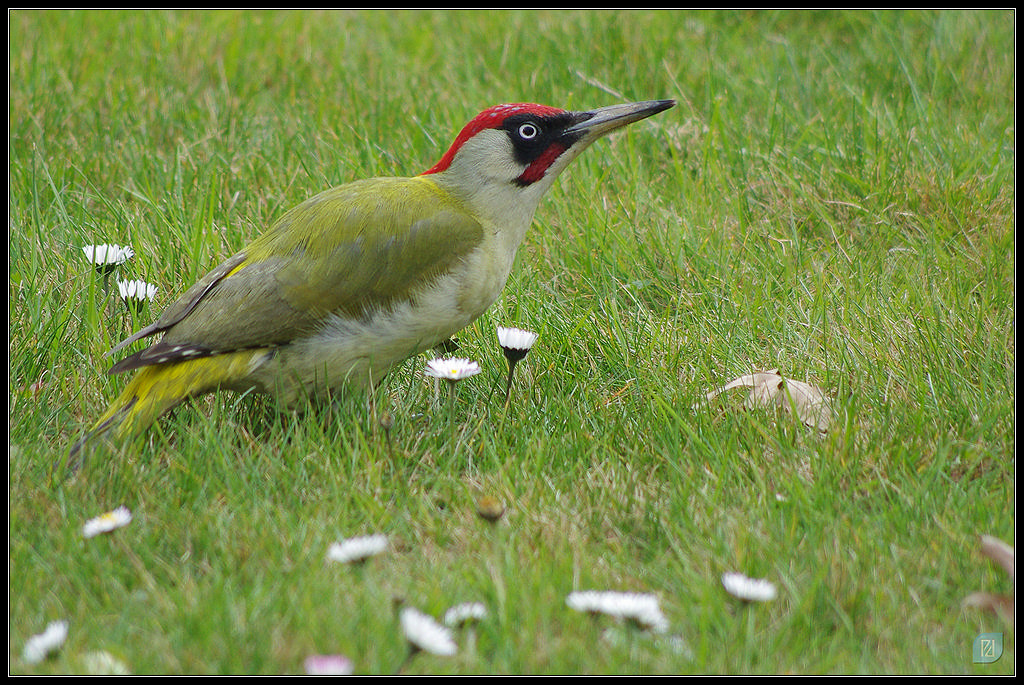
(1003, 605)
(769, 389)
(999, 552)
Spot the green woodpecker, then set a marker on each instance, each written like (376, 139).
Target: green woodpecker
(362, 276)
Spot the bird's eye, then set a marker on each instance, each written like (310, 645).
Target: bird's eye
(528, 131)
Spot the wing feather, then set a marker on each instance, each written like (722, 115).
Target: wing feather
(351, 250)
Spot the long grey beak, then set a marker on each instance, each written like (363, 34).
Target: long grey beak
(598, 122)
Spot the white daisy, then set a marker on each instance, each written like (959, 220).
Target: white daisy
(136, 290)
(748, 589)
(328, 664)
(516, 339)
(426, 634)
(104, 663)
(105, 257)
(112, 520)
(464, 613)
(357, 549)
(633, 606)
(454, 369)
(38, 647)
(515, 343)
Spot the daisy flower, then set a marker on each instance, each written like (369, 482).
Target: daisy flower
(136, 290)
(104, 663)
(748, 589)
(356, 550)
(106, 258)
(112, 520)
(425, 634)
(136, 293)
(328, 664)
(40, 646)
(515, 343)
(464, 613)
(454, 369)
(638, 607)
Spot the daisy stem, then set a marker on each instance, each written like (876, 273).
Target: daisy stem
(451, 401)
(508, 383)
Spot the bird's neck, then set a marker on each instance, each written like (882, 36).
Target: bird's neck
(505, 211)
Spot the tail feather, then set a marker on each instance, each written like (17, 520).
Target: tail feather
(154, 390)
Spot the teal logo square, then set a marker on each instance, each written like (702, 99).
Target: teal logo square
(988, 647)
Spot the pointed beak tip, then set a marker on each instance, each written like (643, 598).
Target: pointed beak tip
(605, 119)
(652, 107)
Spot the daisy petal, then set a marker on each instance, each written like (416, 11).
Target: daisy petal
(357, 549)
(516, 338)
(105, 523)
(634, 606)
(748, 589)
(328, 664)
(454, 369)
(464, 613)
(136, 290)
(40, 646)
(424, 633)
(108, 255)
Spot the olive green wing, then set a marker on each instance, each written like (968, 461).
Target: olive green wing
(348, 251)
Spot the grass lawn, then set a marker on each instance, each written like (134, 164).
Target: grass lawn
(833, 197)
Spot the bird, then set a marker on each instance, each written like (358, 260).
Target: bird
(362, 276)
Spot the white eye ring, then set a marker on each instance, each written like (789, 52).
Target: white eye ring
(528, 131)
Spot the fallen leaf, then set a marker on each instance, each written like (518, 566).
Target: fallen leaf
(769, 389)
(1003, 605)
(999, 552)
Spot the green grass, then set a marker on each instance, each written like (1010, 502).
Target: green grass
(833, 196)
